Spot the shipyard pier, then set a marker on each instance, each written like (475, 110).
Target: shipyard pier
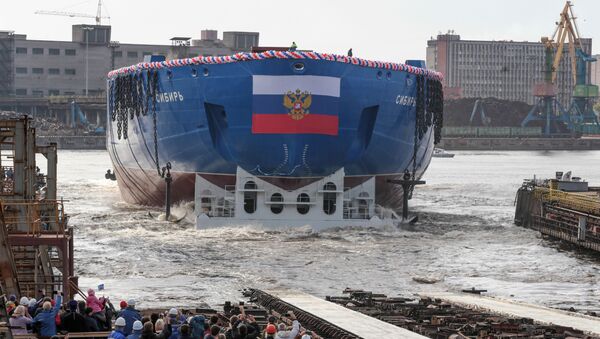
(215, 186)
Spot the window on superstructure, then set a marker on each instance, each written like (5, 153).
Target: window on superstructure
(70, 71)
(21, 50)
(21, 70)
(70, 52)
(37, 70)
(275, 198)
(37, 51)
(303, 203)
(21, 91)
(53, 51)
(329, 198)
(53, 71)
(132, 54)
(250, 197)
(53, 92)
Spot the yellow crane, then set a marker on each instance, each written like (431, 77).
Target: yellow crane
(547, 108)
(565, 29)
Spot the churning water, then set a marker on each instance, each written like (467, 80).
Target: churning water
(465, 238)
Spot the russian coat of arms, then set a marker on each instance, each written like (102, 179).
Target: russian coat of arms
(298, 103)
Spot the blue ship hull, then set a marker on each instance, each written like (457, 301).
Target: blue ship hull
(204, 123)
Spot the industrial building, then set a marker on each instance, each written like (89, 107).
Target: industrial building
(501, 69)
(40, 68)
(595, 71)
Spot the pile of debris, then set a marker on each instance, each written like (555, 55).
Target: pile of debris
(499, 113)
(43, 125)
(435, 318)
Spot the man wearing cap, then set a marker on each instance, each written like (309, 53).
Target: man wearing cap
(283, 333)
(137, 330)
(24, 301)
(270, 331)
(130, 314)
(72, 321)
(118, 332)
(197, 324)
(175, 323)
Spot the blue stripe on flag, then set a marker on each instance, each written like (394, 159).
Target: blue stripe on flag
(273, 104)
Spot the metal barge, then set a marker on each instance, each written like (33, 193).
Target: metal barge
(565, 208)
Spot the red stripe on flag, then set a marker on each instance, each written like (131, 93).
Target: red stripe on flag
(284, 124)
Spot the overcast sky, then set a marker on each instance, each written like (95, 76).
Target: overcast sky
(375, 29)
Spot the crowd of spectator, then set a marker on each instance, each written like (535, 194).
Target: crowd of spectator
(48, 317)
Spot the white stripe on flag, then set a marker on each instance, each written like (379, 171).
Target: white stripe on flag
(281, 84)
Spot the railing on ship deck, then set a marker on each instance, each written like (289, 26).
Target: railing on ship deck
(34, 217)
(578, 202)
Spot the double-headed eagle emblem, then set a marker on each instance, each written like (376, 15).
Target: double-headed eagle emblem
(297, 103)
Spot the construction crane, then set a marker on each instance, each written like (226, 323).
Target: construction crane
(98, 15)
(547, 107)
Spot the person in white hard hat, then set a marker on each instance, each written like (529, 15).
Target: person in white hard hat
(24, 301)
(119, 327)
(175, 323)
(137, 330)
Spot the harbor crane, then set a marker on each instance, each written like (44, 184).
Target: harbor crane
(547, 108)
(98, 15)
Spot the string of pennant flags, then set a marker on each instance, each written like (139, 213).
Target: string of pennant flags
(245, 56)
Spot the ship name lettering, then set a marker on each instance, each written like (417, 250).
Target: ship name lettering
(405, 100)
(169, 97)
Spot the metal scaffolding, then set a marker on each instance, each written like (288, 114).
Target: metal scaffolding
(35, 234)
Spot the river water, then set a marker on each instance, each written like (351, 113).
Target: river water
(465, 238)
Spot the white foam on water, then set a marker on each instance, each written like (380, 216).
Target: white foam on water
(464, 238)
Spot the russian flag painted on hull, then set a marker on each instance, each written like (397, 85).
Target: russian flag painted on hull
(295, 104)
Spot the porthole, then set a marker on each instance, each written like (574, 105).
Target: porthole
(194, 72)
(299, 66)
(205, 72)
(379, 74)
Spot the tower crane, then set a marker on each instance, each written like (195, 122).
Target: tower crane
(98, 15)
(547, 107)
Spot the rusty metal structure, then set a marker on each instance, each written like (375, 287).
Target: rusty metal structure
(36, 243)
(435, 318)
(572, 216)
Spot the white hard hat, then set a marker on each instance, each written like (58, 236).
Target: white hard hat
(173, 311)
(120, 322)
(137, 325)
